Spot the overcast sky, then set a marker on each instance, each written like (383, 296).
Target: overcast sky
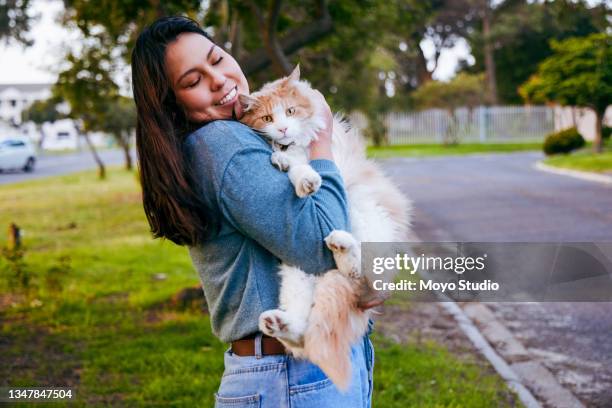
(40, 62)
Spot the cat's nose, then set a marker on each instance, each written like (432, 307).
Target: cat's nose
(283, 130)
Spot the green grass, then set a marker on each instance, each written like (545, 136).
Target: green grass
(94, 318)
(584, 160)
(422, 150)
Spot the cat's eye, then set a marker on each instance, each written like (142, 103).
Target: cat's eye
(267, 118)
(290, 111)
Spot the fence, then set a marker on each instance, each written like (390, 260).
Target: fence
(482, 124)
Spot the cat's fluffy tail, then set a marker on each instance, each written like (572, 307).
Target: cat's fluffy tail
(334, 325)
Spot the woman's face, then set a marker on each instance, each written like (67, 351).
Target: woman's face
(206, 80)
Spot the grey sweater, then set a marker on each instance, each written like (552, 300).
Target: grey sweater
(262, 222)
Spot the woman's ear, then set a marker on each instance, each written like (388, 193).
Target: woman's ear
(295, 75)
(247, 102)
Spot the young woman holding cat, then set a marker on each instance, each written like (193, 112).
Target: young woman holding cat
(208, 183)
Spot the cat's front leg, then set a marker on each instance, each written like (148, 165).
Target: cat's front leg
(347, 253)
(281, 160)
(305, 179)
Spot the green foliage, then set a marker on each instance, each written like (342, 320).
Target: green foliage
(16, 271)
(15, 21)
(465, 90)
(87, 86)
(579, 73)
(564, 141)
(521, 31)
(606, 131)
(42, 111)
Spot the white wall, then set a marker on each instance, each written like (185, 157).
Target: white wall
(583, 118)
(13, 102)
(60, 135)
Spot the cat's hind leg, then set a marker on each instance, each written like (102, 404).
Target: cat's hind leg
(347, 252)
(290, 320)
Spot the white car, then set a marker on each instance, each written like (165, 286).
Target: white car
(17, 153)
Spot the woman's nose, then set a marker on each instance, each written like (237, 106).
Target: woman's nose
(217, 81)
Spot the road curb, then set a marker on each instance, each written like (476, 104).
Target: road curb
(499, 364)
(583, 175)
(532, 373)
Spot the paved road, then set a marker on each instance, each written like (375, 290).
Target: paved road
(496, 198)
(62, 164)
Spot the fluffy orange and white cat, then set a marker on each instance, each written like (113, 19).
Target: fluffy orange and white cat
(318, 317)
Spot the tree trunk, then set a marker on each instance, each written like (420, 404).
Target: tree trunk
(124, 143)
(94, 152)
(489, 60)
(451, 137)
(597, 142)
(423, 74)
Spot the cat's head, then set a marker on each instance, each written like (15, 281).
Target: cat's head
(283, 110)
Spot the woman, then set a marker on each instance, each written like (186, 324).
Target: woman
(208, 183)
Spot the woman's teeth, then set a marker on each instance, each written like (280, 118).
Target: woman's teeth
(228, 97)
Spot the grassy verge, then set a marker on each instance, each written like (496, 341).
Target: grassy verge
(95, 315)
(584, 160)
(421, 150)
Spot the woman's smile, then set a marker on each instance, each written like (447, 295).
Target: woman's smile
(229, 97)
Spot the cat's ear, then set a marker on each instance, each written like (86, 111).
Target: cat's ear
(295, 75)
(247, 102)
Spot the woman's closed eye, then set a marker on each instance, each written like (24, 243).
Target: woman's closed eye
(193, 84)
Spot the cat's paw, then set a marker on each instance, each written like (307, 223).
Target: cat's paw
(308, 184)
(280, 160)
(273, 323)
(340, 241)
(346, 252)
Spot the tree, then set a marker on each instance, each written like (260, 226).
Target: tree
(333, 41)
(15, 21)
(520, 32)
(465, 90)
(119, 120)
(88, 88)
(579, 73)
(40, 112)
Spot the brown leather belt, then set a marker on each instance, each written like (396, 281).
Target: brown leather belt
(269, 345)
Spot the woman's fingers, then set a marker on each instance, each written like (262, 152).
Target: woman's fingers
(321, 148)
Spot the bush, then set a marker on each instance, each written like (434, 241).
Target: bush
(563, 142)
(605, 132)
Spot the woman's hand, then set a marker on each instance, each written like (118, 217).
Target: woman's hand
(321, 148)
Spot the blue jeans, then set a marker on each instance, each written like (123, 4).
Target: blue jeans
(281, 381)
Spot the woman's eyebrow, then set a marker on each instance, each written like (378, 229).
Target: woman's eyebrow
(189, 71)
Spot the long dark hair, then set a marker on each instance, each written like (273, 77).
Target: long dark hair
(172, 207)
